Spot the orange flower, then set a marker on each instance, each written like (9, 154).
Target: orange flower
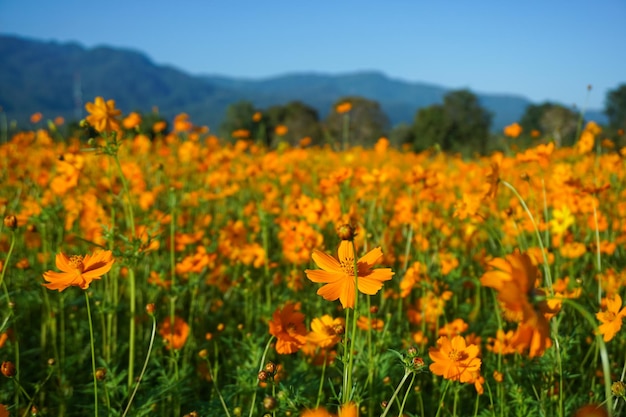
(174, 336)
(611, 318)
(326, 331)
(3, 411)
(316, 412)
(257, 116)
(349, 410)
(281, 130)
(513, 130)
(287, 325)
(515, 277)
(344, 107)
(338, 275)
(454, 360)
(132, 120)
(36, 117)
(103, 115)
(78, 270)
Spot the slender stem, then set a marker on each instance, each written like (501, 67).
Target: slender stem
(145, 365)
(348, 386)
(267, 347)
(219, 395)
(539, 240)
(443, 395)
(6, 266)
(93, 355)
(598, 256)
(131, 276)
(321, 387)
(395, 393)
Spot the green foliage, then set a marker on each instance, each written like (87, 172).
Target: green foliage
(57, 79)
(300, 119)
(552, 119)
(366, 122)
(461, 124)
(615, 107)
(238, 116)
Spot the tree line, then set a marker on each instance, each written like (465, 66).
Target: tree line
(459, 124)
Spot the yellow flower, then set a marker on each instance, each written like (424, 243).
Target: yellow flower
(611, 318)
(78, 270)
(326, 331)
(338, 275)
(561, 220)
(102, 115)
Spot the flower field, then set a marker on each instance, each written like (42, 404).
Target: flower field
(185, 275)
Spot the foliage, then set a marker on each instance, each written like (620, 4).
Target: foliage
(460, 124)
(615, 107)
(361, 126)
(557, 121)
(505, 299)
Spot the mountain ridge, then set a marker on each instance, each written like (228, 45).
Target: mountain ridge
(57, 78)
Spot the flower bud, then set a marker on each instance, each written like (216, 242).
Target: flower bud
(101, 374)
(346, 232)
(270, 367)
(10, 222)
(8, 369)
(270, 403)
(619, 389)
(150, 308)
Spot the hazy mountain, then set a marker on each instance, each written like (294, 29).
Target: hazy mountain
(58, 78)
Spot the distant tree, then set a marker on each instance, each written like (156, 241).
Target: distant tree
(460, 124)
(401, 134)
(432, 128)
(552, 119)
(615, 107)
(301, 120)
(366, 121)
(238, 118)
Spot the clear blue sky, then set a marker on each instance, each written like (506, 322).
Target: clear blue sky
(542, 50)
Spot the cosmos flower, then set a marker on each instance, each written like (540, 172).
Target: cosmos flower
(287, 325)
(455, 360)
(78, 270)
(174, 335)
(102, 115)
(338, 275)
(611, 318)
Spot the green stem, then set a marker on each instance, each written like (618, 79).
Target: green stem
(145, 365)
(131, 275)
(348, 387)
(267, 348)
(219, 395)
(539, 240)
(321, 386)
(395, 393)
(443, 396)
(93, 355)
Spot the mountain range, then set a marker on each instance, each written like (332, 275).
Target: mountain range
(58, 78)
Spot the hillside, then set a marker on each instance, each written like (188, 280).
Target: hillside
(58, 78)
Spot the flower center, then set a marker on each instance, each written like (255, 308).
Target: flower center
(348, 266)
(77, 262)
(455, 355)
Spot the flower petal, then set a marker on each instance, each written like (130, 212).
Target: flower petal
(317, 275)
(372, 257)
(325, 261)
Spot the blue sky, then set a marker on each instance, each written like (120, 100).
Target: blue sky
(542, 50)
